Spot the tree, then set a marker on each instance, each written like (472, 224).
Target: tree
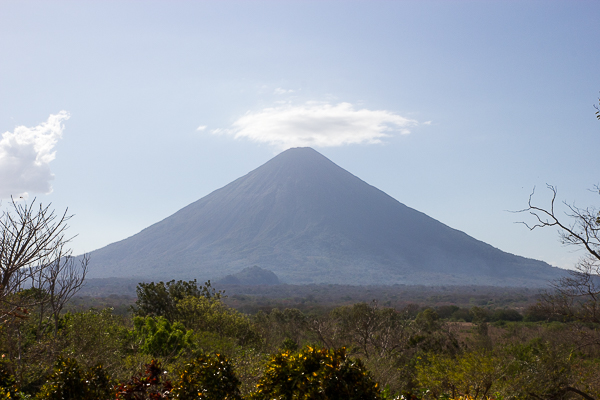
(33, 247)
(159, 337)
(577, 295)
(61, 279)
(36, 271)
(205, 315)
(160, 299)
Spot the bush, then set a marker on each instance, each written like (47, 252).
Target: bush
(316, 374)
(145, 386)
(67, 382)
(208, 377)
(7, 381)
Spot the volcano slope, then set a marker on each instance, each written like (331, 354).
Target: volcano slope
(310, 221)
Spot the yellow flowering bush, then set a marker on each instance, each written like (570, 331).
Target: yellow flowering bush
(315, 374)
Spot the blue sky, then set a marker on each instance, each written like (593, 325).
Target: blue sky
(126, 111)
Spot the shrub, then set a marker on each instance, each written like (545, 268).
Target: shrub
(316, 374)
(208, 377)
(67, 381)
(7, 381)
(145, 386)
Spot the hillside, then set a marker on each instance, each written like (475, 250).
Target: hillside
(309, 221)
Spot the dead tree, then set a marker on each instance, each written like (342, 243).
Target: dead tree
(32, 245)
(61, 279)
(577, 295)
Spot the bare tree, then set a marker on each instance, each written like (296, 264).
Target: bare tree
(61, 279)
(33, 253)
(577, 295)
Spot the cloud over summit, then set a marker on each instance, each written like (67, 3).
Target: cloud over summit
(316, 124)
(25, 155)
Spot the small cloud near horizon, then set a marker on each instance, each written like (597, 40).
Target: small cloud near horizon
(317, 124)
(25, 155)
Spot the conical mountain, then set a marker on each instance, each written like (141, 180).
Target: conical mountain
(310, 221)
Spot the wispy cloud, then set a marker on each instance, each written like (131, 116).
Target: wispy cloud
(25, 155)
(317, 125)
(283, 91)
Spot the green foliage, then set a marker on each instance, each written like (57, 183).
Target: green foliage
(208, 377)
(479, 315)
(316, 374)
(204, 315)
(277, 327)
(159, 337)
(469, 374)
(538, 367)
(160, 299)
(428, 321)
(100, 386)
(94, 337)
(7, 381)
(404, 350)
(68, 382)
(289, 345)
(506, 315)
(429, 334)
(446, 312)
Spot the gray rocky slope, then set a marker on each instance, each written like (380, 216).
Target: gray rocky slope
(310, 221)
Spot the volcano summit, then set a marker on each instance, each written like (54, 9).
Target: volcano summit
(310, 221)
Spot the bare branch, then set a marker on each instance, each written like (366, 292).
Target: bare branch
(577, 295)
(63, 278)
(584, 231)
(34, 254)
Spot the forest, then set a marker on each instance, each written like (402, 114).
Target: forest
(179, 339)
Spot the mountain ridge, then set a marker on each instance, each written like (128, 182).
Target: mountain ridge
(310, 221)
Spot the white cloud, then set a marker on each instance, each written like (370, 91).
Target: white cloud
(201, 128)
(25, 155)
(317, 125)
(283, 91)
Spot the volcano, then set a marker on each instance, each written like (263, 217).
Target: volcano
(310, 221)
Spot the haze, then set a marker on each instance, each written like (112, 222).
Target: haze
(127, 111)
